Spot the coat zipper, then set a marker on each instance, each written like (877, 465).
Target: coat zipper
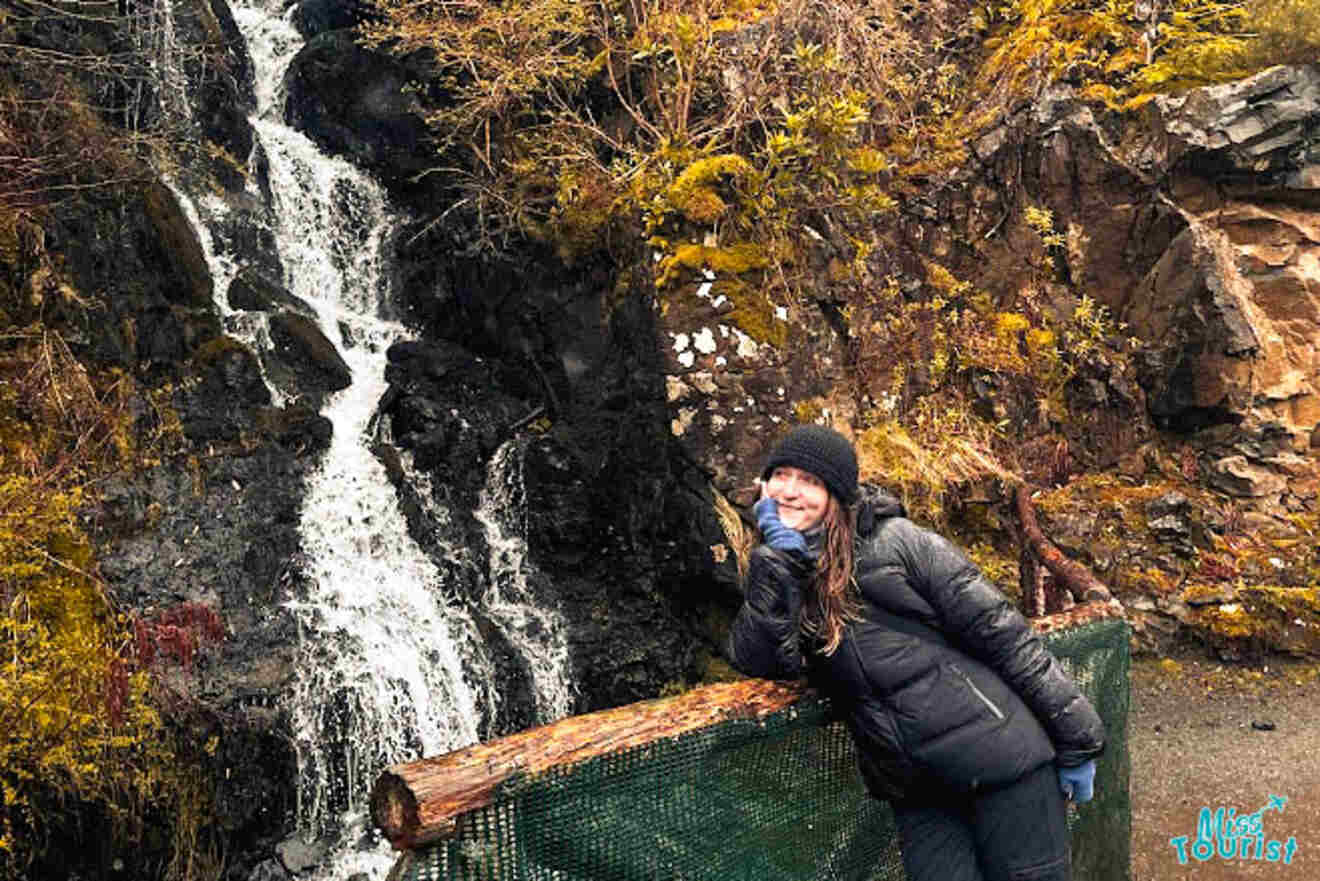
(976, 691)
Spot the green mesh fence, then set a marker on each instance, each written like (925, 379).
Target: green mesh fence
(772, 800)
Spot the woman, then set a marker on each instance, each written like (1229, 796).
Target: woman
(962, 719)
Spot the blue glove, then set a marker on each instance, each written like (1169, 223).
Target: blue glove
(1078, 784)
(773, 532)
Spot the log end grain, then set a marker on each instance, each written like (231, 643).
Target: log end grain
(394, 810)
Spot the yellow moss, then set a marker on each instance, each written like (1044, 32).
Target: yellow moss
(1102, 492)
(942, 280)
(1202, 592)
(77, 718)
(956, 450)
(1011, 324)
(808, 411)
(1297, 602)
(1000, 568)
(1231, 621)
(1041, 343)
(754, 315)
(703, 206)
(731, 260)
(693, 193)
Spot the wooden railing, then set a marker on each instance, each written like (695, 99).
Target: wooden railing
(419, 802)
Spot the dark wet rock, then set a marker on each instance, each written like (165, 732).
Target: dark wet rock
(315, 17)
(144, 276)
(221, 532)
(1169, 503)
(353, 102)
(303, 358)
(254, 291)
(616, 542)
(298, 427)
(220, 87)
(227, 386)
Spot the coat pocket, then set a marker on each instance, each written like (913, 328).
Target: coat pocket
(957, 730)
(938, 703)
(990, 705)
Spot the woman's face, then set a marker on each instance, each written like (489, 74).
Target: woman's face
(801, 496)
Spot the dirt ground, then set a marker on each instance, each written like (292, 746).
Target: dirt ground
(1199, 736)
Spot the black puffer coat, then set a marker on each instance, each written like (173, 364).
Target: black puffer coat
(942, 682)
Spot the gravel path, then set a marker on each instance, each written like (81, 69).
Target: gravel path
(1193, 744)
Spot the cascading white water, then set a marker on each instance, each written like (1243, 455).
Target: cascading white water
(390, 664)
(251, 328)
(508, 600)
(390, 667)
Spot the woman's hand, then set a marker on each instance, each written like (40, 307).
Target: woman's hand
(1078, 784)
(773, 532)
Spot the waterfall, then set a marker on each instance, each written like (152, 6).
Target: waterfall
(390, 667)
(508, 598)
(390, 664)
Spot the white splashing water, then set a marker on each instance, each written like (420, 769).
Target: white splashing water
(250, 328)
(508, 599)
(390, 666)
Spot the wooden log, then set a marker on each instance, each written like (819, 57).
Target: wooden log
(417, 802)
(1076, 577)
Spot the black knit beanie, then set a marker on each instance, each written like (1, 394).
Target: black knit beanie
(822, 451)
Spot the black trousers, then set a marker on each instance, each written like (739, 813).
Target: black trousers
(1018, 832)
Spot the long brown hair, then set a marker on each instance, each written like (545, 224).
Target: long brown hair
(835, 599)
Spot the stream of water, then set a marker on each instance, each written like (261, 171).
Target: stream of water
(390, 663)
